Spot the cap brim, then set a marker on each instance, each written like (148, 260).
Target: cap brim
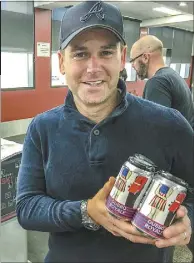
(74, 34)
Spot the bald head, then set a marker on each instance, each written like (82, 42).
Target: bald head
(146, 44)
(147, 56)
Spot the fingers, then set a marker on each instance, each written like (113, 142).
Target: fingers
(176, 229)
(113, 232)
(128, 231)
(181, 224)
(179, 240)
(181, 212)
(133, 238)
(112, 180)
(124, 225)
(179, 233)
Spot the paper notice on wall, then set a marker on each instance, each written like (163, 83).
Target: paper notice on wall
(9, 149)
(43, 49)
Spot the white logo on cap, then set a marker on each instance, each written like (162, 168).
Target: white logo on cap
(95, 10)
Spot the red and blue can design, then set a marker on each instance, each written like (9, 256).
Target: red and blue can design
(158, 208)
(130, 186)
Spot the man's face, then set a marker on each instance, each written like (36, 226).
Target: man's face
(140, 63)
(92, 63)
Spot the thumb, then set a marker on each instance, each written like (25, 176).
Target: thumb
(181, 212)
(112, 181)
(106, 189)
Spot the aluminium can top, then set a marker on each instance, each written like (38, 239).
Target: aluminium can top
(142, 162)
(172, 178)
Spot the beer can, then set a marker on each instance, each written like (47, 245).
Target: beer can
(130, 186)
(158, 207)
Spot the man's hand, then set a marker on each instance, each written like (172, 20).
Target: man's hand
(97, 211)
(179, 233)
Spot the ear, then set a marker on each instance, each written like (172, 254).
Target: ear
(61, 62)
(145, 57)
(123, 57)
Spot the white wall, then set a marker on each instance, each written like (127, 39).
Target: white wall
(193, 46)
(13, 242)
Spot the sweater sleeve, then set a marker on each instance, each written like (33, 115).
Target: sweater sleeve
(35, 209)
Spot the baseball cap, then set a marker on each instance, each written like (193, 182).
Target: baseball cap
(90, 14)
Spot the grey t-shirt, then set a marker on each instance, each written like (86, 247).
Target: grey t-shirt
(167, 88)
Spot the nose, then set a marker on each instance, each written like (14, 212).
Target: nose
(93, 64)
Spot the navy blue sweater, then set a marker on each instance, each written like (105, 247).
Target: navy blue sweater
(65, 161)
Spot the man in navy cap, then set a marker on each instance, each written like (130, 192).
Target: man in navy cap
(73, 152)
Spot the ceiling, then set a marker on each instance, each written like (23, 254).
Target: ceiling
(175, 5)
(144, 12)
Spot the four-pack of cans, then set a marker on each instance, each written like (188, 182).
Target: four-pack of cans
(145, 196)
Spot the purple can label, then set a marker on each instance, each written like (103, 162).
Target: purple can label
(127, 192)
(158, 208)
(148, 226)
(119, 210)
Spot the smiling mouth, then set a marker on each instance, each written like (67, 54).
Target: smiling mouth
(94, 83)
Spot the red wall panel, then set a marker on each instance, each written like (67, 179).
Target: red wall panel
(21, 104)
(136, 88)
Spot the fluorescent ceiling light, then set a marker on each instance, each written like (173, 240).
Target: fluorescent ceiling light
(183, 4)
(166, 11)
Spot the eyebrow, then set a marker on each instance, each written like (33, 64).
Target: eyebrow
(82, 48)
(110, 46)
